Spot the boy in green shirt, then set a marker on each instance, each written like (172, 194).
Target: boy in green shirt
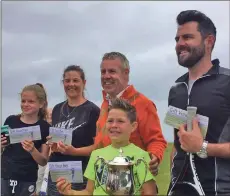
(121, 122)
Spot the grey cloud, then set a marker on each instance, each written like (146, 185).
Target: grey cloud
(41, 38)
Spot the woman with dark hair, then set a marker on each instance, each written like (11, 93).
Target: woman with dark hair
(79, 115)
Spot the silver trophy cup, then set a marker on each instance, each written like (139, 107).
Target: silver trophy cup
(120, 177)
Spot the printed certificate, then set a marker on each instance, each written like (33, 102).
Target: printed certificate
(60, 134)
(176, 117)
(70, 170)
(18, 135)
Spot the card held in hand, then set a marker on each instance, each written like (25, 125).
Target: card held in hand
(176, 117)
(60, 134)
(18, 135)
(70, 170)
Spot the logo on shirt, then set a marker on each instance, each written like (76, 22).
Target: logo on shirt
(68, 124)
(13, 183)
(31, 188)
(102, 173)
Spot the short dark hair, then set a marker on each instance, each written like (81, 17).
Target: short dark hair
(126, 107)
(205, 24)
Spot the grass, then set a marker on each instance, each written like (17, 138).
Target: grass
(163, 177)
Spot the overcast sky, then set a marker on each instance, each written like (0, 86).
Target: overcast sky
(39, 39)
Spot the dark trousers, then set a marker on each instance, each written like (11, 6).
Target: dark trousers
(17, 188)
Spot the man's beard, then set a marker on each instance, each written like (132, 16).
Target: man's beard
(194, 56)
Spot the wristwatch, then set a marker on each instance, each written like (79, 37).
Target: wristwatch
(203, 151)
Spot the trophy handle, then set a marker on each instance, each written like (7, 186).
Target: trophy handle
(146, 169)
(97, 179)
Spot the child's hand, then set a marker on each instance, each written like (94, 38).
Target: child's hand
(63, 186)
(53, 146)
(3, 141)
(28, 145)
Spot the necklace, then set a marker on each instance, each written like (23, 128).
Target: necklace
(67, 110)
